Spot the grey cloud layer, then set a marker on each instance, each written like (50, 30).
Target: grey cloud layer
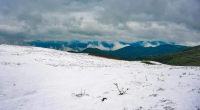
(109, 20)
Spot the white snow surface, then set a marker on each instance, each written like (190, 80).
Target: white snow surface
(33, 78)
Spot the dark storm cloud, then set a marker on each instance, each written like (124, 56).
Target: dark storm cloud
(177, 11)
(113, 20)
(9, 38)
(30, 19)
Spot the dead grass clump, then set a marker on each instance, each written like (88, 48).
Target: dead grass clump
(148, 62)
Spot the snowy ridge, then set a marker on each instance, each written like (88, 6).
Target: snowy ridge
(33, 78)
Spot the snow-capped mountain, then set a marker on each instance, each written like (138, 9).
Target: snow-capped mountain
(102, 45)
(147, 43)
(33, 78)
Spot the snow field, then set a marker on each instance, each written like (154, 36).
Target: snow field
(33, 78)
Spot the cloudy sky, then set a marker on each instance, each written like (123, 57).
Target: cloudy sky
(102, 20)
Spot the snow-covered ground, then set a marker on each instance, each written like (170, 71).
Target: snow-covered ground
(34, 78)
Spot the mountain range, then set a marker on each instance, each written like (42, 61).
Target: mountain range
(130, 52)
(167, 54)
(160, 51)
(78, 46)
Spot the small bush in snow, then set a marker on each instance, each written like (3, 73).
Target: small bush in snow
(121, 91)
(81, 94)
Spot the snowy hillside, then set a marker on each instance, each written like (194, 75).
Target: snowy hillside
(33, 78)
